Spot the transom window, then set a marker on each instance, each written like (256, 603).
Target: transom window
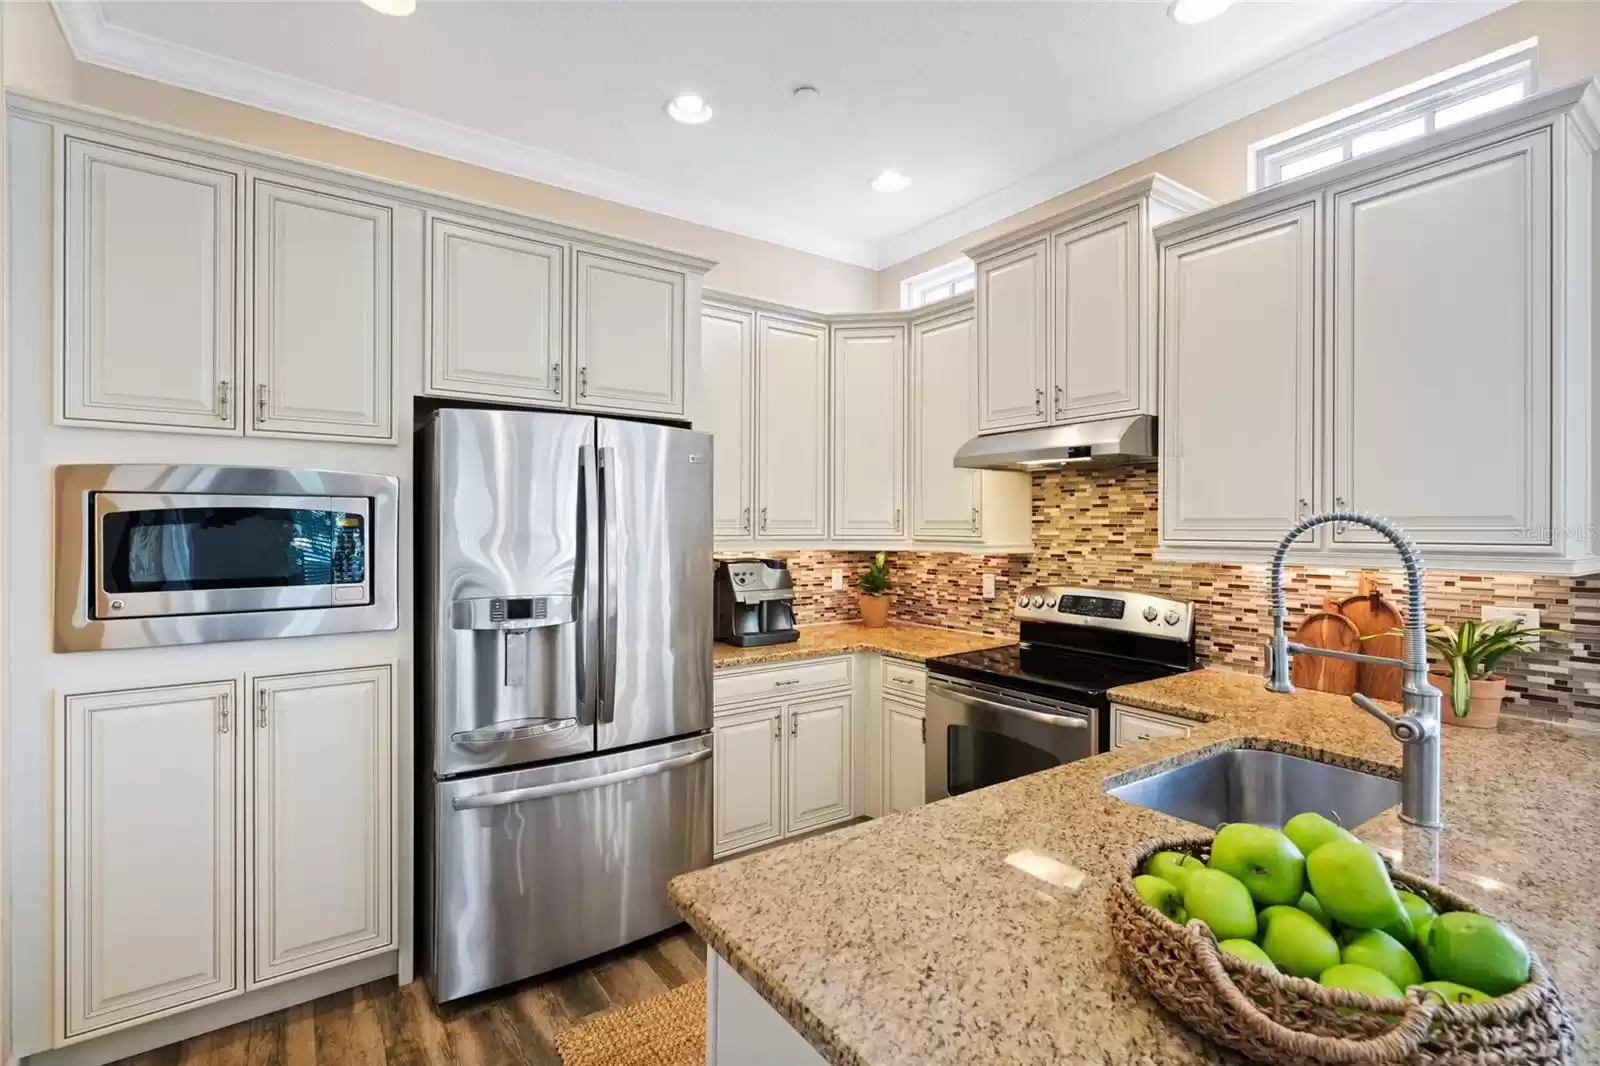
(937, 284)
(1416, 110)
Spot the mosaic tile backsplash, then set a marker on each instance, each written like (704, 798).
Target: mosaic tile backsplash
(1098, 529)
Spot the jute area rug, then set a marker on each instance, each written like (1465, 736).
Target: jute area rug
(668, 1029)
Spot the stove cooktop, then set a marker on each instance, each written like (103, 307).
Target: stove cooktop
(1085, 678)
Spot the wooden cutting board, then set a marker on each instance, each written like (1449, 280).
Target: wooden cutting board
(1326, 629)
(1373, 614)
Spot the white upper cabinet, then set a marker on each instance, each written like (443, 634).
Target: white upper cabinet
(628, 335)
(151, 864)
(1442, 347)
(869, 431)
(1238, 355)
(498, 313)
(322, 772)
(1013, 338)
(151, 289)
(791, 428)
(946, 501)
(322, 330)
(1097, 346)
(728, 371)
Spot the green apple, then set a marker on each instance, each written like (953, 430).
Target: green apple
(1379, 951)
(1169, 866)
(1222, 903)
(1352, 884)
(1312, 906)
(1264, 860)
(1354, 978)
(1476, 951)
(1296, 942)
(1418, 910)
(1402, 930)
(1420, 934)
(1160, 894)
(1450, 992)
(1249, 951)
(1310, 830)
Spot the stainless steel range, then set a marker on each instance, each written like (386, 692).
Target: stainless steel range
(998, 714)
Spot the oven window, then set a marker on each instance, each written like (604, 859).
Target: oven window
(207, 548)
(978, 758)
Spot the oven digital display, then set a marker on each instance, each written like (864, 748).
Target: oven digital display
(1092, 606)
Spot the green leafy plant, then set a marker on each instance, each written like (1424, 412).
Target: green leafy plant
(875, 582)
(1474, 649)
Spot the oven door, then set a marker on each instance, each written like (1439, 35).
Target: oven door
(164, 554)
(981, 735)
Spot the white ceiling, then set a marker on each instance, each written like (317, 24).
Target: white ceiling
(988, 106)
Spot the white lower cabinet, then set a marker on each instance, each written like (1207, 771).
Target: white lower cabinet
(1133, 727)
(818, 762)
(151, 865)
(904, 746)
(322, 815)
(748, 795)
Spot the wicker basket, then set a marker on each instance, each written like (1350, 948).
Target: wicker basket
(1289, 1021)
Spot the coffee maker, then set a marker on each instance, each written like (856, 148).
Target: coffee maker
(754, 602)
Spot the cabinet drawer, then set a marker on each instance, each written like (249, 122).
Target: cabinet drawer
(784, 681)
(904, 681)
(1128, 727)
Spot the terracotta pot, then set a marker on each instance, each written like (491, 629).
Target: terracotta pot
(1483, 701)
(874, 610)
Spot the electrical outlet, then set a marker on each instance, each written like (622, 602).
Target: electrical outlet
(1529, 616)
(838, 579)
(988, 586)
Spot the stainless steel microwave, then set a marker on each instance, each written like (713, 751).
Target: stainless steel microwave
(151, 555)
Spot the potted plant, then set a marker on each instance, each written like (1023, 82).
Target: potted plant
(1472, 689)
(874, 586)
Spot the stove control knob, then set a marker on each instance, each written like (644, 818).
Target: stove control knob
(1150, 614)
(1036, 601)
(1172, 618)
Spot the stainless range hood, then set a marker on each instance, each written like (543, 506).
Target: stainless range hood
(1107, 442)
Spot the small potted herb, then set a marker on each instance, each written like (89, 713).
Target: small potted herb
(1470, 653)
(874, 586)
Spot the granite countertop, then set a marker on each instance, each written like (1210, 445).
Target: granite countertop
(896, 639)
(910, 940)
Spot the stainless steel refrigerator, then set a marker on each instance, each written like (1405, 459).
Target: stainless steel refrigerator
(565, 687)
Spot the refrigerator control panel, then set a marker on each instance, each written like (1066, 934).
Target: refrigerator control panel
(512, 612)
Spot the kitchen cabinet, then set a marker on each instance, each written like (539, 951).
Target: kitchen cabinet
(869, 431)
(151, 864)
(1238, 357)
(817, 762)
(1097, 345)
(946, 501)
(791, 428)
(497, 308)
(728, 370)
(905, 744)
(628, 335)
(321, 330)
(150, 288)
(748, 797)
(1442, 295)
(322, 820)
(1134, 727)
(1013, 338)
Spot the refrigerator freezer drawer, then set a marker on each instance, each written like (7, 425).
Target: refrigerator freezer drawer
(534, 869)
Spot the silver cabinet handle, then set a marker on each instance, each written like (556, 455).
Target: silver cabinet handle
(1038, 401)
(794, 726)
(897, 519)
(224, 399)
(789, 681)
(555, 376)
(975, 520)
(1339, 505)
(1058, 401)
(763, 519)
(261, 709)
(582, 784)
(902, 681)
(583, 381)
(222, 716)
(261, 402)
(777, 729)
(1304, 506)
(747, 519)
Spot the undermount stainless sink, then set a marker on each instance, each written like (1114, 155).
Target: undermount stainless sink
(1264, 787)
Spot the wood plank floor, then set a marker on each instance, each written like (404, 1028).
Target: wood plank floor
(380, 1024)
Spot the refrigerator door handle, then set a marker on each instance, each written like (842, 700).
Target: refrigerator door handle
(608, 570)
(582, 784)
(591, 652)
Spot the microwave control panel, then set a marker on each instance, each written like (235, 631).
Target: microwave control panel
(349, 549)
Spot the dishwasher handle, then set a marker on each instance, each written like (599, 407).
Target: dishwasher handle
(582, 784)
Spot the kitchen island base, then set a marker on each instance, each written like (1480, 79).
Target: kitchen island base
(742, 1028)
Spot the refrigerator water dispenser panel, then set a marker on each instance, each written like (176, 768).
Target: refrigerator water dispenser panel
(513, 618)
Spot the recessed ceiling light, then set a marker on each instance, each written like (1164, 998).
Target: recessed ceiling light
(689, 108)
(890, 181)
(392, 7)
(1189, 12)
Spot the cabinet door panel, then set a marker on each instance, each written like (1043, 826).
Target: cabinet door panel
(1095, 296)
(946, 502)
(151, 852)
(1238, 358)
(818, 763)
(498, 308)
(1442, 297)
(323, 818)
(748, 797)
(791, 428)
(151, 290)
(1013, 327)
(869, 431)
(321, 334)
(628, 336)
(728, 361)
(905, 747)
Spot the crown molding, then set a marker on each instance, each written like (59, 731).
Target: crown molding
(94, 40)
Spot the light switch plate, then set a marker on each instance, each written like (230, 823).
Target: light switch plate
(838, 579)
(1528, 615)
(988, 586)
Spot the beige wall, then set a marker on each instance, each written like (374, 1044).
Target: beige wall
(37, 60)
(1215, 164)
